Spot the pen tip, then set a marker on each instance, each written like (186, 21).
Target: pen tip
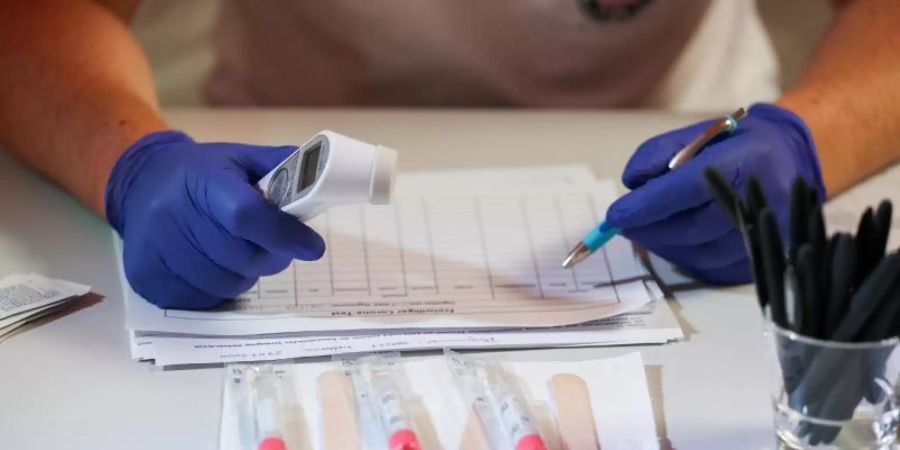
(578, 254)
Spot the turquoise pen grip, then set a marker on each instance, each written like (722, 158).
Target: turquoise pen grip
(599, 236)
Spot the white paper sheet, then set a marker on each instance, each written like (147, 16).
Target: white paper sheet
(184, 338)
(449, 260)
(619, 399)
(653, 324)
(142, 348)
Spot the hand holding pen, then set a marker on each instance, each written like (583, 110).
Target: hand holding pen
(599, 236)
(672, 212)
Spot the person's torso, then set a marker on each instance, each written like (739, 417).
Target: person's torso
(447, 52)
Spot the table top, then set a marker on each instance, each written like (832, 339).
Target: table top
(68, 382)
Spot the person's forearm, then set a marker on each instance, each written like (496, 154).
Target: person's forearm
(75, 91)
(849, 95)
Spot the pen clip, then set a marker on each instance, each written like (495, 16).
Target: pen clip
(718, 126)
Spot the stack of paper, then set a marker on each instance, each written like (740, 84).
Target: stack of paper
(467, 259)
(27, 297)
(617, 393)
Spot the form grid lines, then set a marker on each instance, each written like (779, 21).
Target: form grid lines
(534, 262)
(565, 240)
(612, 280)
(459, 254)
(426, 219)
(402, 250)
(481, 233)
(365, 247)
(328, 250)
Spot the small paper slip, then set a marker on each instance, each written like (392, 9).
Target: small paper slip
(26, 297)
(617, 391)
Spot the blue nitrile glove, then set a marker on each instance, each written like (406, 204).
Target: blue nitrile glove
(673, 213)
(196, 230)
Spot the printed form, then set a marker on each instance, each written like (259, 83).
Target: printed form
(448, 255)
(455, 251)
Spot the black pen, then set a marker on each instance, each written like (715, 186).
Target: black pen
(807, 277)
(747, 227)
(873, 305)
(818, 242)
(743, 217)
(773, 266)
(724, 194)
(867, 298)
(879, 326)
(843, 262)
(865, 235)
(816, 231)
(755, 204)
(882, 228)
(799, 212)
(756, 199)
(819, 391)
(825, 271)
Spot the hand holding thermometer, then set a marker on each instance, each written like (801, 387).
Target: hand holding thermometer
(328, 170)
(599, 236)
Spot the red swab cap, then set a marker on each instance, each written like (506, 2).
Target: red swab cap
(404, 439)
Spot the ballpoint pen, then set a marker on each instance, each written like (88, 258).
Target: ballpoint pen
(807, 290)
(882, 229)
(865, 234)
(799, 212)
(600, 235)
(843, 260)
(773, 266)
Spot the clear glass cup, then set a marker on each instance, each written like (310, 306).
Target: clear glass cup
(833, 395)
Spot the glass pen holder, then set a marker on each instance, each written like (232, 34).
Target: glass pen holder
(833, 395)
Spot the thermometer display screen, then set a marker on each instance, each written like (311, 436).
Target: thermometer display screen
(309, 168)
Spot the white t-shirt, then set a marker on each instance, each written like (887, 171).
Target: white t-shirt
(685, 54)
(729, 62)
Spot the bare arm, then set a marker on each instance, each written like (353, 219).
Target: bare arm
(75, 89)
(850, 93)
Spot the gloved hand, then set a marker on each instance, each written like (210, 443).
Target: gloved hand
(673, 213)
(196, 230)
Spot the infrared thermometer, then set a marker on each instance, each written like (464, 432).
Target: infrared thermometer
(331, 169)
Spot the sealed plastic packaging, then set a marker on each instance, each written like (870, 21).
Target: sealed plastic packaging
(387, 414)
(497, 401)
(266, 407)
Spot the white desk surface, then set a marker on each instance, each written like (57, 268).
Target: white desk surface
(69, 383)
